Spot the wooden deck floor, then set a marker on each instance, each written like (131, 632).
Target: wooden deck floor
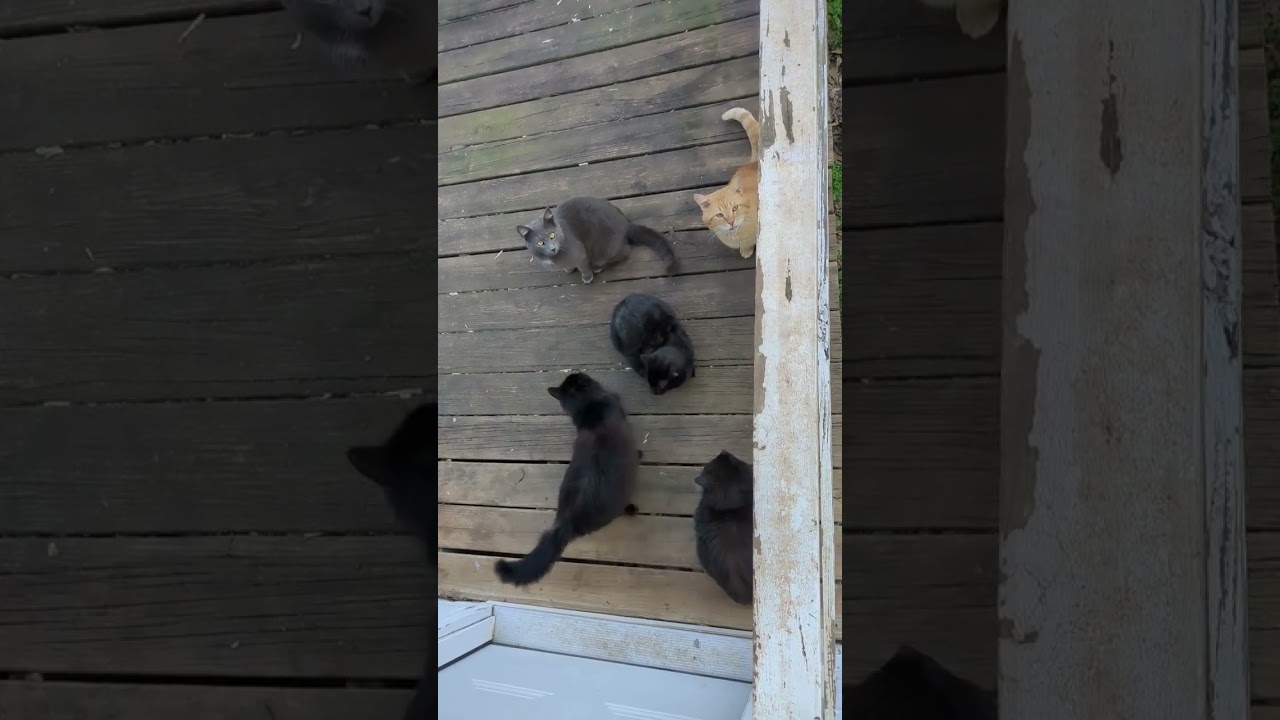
(623, 103)
(924, 161)
(211, 258)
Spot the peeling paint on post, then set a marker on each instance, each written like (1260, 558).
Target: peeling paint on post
(1122, 556)
(794, 677)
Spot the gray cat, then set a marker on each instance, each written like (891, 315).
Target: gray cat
(588, 234)
(393, 33)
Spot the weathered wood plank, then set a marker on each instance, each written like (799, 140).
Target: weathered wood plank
(793, 667)
(895, 40)
(522, 18)
(932, 151)
(717, 43)
(594, 34)
(192, 468)
(349, 607)
(712, 83)
(102, 701)
(672, 595)
(661, 489)
(722, 390)
(699, 252)
(925, 301)
(718, 341)
(602, 142)
(643, 540)
(236, 200)
(231, 75)
(308, 328)
(724, 294)
(702, 166)
(1141, 371)
(491, 233)
(33, 16)
(454, 10)
(666, 439)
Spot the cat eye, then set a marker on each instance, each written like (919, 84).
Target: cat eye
(735, 208)
(540, 243)
(552, 236)
(720, 215)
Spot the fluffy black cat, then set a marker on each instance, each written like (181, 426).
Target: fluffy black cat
(649, 335)
(589, 234)
(598, 483)
(395, 33)
(723, 524)
(405, 468)
(914, 686)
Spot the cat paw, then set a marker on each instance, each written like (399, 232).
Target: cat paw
(977, 18)
(747, 251)
(631, 509)
(588, 277)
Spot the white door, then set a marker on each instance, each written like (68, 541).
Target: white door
(506, 682)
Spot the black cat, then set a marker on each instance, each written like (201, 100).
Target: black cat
(395, 33)
(914, 686)
(598, 483)
(405, 468)
(649, 335)
(723, 525)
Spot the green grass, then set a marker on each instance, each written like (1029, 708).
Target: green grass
(835, 24)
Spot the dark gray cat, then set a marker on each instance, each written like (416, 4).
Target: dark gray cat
(588, 234)
(723, 524)
(394, 33)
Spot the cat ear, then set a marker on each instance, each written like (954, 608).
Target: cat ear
(524, 232)
(555, 392)
(701, 481)
(547, 217)
(372, 462)
(702, 200)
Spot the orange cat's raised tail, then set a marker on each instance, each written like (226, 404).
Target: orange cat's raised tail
(750, 125)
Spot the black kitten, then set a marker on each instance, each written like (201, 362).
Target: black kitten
(598, 483)
(913, 686)
(405, 468)
(647, 332)
(394, 33)
(723, 524)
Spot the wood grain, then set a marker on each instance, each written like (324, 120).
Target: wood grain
(602, 142)
(725, 390)
(519, 19)
(925, 301)
(307, 328)
(232, 201)
(717, 43)
(268, 466)
(453, 10)
(701, 166)
(239, 606)
(889, 40)
(932, 151)
(102, 701)
(1141, 371)
(666, 439)
(698, 251)
(660, 490)
(701, 85)
(490, 233)
(19, 17)
(642, 540)
(231, 75)
(593, 33)
(720, 341)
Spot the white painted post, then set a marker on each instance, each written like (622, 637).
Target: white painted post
(794, 528)
(1122, 490)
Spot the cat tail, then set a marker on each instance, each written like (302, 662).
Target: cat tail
(655, 241)
(750, 125)
(532, 567)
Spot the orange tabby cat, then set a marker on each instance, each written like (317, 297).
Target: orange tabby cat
(730, 212)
